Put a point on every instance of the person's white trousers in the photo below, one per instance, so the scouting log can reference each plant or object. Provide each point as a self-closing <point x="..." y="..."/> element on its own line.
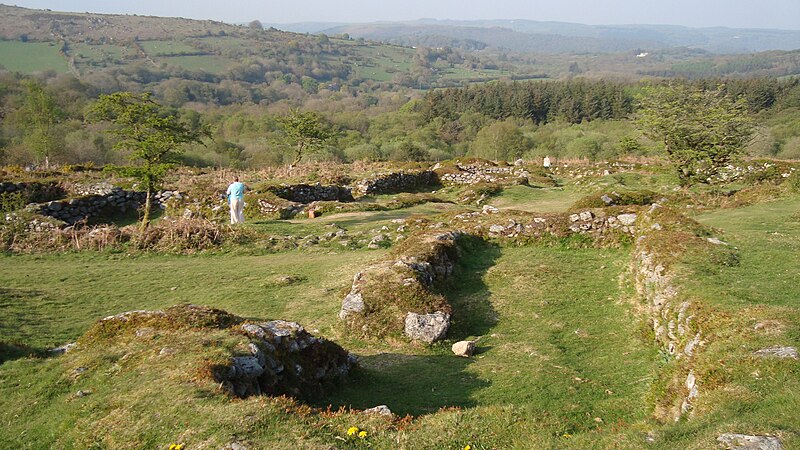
<point x="237" y="208"/>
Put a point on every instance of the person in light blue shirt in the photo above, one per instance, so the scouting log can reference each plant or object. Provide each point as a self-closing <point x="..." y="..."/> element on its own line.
<point x="236" y="200"/>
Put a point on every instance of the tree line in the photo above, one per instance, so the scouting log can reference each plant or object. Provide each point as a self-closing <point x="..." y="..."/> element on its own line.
<point x="44" y="119"/>
<point x="577" y="100"/>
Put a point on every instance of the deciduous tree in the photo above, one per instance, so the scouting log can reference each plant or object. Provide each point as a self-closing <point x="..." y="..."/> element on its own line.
<point x="41" y="118"/>
<point x="500" y="141"/>
<point x="153" y="138"/>
<point x="305" y="132"/>
<point x="702" y="129"/>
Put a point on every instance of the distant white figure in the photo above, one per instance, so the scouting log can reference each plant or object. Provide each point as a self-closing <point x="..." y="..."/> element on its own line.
<point x="236" y="200"/>
<point x="546" y="162"/>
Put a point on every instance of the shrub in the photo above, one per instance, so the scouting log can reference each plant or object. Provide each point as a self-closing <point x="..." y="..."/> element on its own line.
<point x="184" y="236"/>
<point x="771" y="174"/>
<point x="794" y="182"/>
<point x="11" y="201"/>
<point x="616" y="198"/>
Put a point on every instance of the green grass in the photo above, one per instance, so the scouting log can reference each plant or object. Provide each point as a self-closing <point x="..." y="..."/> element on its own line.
<point x="562" y="361"/>
<point x="381" y="63"/>
<point x="166" y="48"/>
<point x="368" y="220"/>
<point x="555" y="350"/>
<point x="554" y="337"/>
<point x="767" y="236"/>
<point x="50" y="300"/>
<point x="29" y="57"/>
<point x="746" y="306"/>
<point x="207" y="63"/>
<point x="525" y="198"/>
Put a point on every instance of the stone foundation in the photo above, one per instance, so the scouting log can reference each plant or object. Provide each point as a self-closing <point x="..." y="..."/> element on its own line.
<point x="393" y="183"/>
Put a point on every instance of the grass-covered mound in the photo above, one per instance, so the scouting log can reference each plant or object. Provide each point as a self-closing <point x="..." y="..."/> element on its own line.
<point x="146" y="379"/>
<point x="719" y="369"/>
<point x="384" y="294"/>
<point x="274" y="358"/>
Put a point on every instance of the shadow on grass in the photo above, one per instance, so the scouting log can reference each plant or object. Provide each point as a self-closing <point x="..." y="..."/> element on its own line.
<point x="408" y="384"/>
<point x="11" y="308"/>
<point x="473" y="313"/>
<point x="123" y="218"/>
<point x="11" y="351"/>
<point x="423" y="384"/>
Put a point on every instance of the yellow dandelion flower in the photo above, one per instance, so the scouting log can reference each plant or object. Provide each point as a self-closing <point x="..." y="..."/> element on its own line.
<point x="352" y="430"/>
<point x="362" y="434"/>
<point x="467" y="447"/>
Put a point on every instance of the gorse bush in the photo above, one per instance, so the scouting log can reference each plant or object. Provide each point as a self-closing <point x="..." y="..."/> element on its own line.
<point x="11" y="201"/>
<point x="794" y="182"/>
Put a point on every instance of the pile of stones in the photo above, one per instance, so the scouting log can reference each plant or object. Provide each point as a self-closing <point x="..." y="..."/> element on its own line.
<point x="285" y="360"/>
<point x="599" y="223"/>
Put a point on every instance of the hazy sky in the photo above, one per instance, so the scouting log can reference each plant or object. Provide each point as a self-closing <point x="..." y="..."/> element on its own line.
<point x="784" y="14"/>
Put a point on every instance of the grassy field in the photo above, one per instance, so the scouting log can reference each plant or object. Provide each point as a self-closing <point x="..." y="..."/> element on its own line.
<point x="525" y="198"/>
<point x="98" y="55"/>
<point x="553" y="326"/>
<point x="29" y="57"/>
<point x="748" y="304"/>
<point x="166" y="48"/>
<point x="38" y="291"/>
<point x="768" y="238"/>
<point x="207" y="63"/>
<point x="381" y="63"/>
<point x="564" y="359"/>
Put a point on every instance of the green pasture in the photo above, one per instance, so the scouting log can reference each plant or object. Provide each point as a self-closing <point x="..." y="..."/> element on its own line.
<point x="29" y="57"/>
<point x="564" y="357"/>
<point x="381" y="63"/>
<point x="553" y="325"/>
<point x="207" y="63"/>
<point x="532" y="199"/>
<point x="95" y="55"/>
<point x="767" y="236"/>
<point x="166" y="48"/>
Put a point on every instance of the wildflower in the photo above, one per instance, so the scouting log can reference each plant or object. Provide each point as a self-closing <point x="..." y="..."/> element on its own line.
<point x="362" y="434"/>
<point x="352" y="430"/>
<point x="467" y="447"/>
<point x="177" y="446"/>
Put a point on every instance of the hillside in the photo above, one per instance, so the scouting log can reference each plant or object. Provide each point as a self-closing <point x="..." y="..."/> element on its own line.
<point x="208" y="62"/>
<point x="559" y="37"/>
<point x="146" y="50"/>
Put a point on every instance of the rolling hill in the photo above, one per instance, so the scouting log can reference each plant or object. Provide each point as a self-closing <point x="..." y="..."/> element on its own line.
<point x="560" y="37"/>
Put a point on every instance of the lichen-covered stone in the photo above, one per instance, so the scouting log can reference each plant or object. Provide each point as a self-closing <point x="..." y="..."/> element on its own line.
<point x="733" y="441"/>
<point x="427" y="328"/>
